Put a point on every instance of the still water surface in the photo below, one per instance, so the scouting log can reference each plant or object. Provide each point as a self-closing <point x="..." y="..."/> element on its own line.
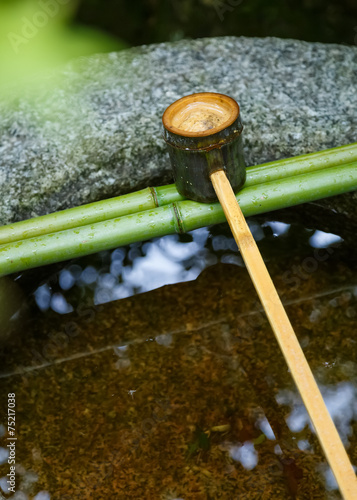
<point x="127" y="388"/>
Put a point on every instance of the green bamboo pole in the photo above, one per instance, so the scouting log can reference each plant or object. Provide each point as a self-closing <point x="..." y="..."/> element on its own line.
<point x="297" y="165"/>
<point x="177" y="217"/>
<point x="87" y="214"/>
<point x="155" y="197"/>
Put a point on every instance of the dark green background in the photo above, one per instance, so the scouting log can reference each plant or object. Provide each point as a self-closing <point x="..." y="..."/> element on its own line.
<point x="140" y="22"/>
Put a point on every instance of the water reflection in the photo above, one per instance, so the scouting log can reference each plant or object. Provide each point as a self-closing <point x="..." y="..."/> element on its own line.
<point x="42" y="495"/>
<point x="323" y="240"/>
<point x="279" y="228"/>
<point x="142" y="267"/>
<point x="265" y="427"/>
<point x="181" y="392"/>
<point x="246" y="454"/>
<point x="4" y="455"/>
<point x="43" y="297"/>
<point x="341" y="402"/>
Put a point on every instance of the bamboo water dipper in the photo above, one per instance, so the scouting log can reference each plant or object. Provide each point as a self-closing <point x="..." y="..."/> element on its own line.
<point x="203" y="133"/>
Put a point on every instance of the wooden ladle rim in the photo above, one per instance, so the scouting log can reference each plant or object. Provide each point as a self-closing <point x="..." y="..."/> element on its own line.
<point x="210" y="97"/>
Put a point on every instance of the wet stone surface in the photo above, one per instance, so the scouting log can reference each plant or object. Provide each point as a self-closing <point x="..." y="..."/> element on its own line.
<point x="94" y="130"/>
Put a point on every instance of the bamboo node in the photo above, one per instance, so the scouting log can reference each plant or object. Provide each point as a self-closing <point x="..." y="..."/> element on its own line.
<point x="178" y="220"/>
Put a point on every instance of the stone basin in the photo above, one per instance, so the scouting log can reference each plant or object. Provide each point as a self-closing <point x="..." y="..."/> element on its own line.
<point x="93" y="130"/>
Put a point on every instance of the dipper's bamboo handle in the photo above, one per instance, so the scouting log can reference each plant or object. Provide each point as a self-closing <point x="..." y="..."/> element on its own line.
<point x="285" y="335"/>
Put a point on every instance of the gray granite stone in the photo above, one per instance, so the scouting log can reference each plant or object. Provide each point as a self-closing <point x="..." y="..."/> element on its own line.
<point x="94" y="130"/>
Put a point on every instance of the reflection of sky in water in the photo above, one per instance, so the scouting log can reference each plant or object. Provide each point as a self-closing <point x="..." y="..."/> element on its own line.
<point x="246" y="454"/>
<point x="136" y="269"/>
<point x="278" y="228"/>
<point x="4" y="485"/>
<point x="20" y="495"/>
<point x="265" y="427"/>
<point x="42" y="495"/>
<point x="323" y="240"/>
<point x="341" y="402"/>
<point x="28" y="477"/>
<point x="4" y="455"/>
<point x="142" y="267"/>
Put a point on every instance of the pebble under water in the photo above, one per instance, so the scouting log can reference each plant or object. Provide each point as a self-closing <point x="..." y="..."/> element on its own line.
<point x="151" y="372"/>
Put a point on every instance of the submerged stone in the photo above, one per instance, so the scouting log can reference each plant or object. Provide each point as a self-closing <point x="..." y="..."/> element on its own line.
<point x="94" y="129"/>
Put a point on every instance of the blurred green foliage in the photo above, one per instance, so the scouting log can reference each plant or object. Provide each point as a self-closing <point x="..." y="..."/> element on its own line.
<point x="149" y="21"/>
<point x="39" y="35"/>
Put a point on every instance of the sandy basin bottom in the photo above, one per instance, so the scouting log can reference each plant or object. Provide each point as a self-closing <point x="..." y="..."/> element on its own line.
<point x="182" y="393"/>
